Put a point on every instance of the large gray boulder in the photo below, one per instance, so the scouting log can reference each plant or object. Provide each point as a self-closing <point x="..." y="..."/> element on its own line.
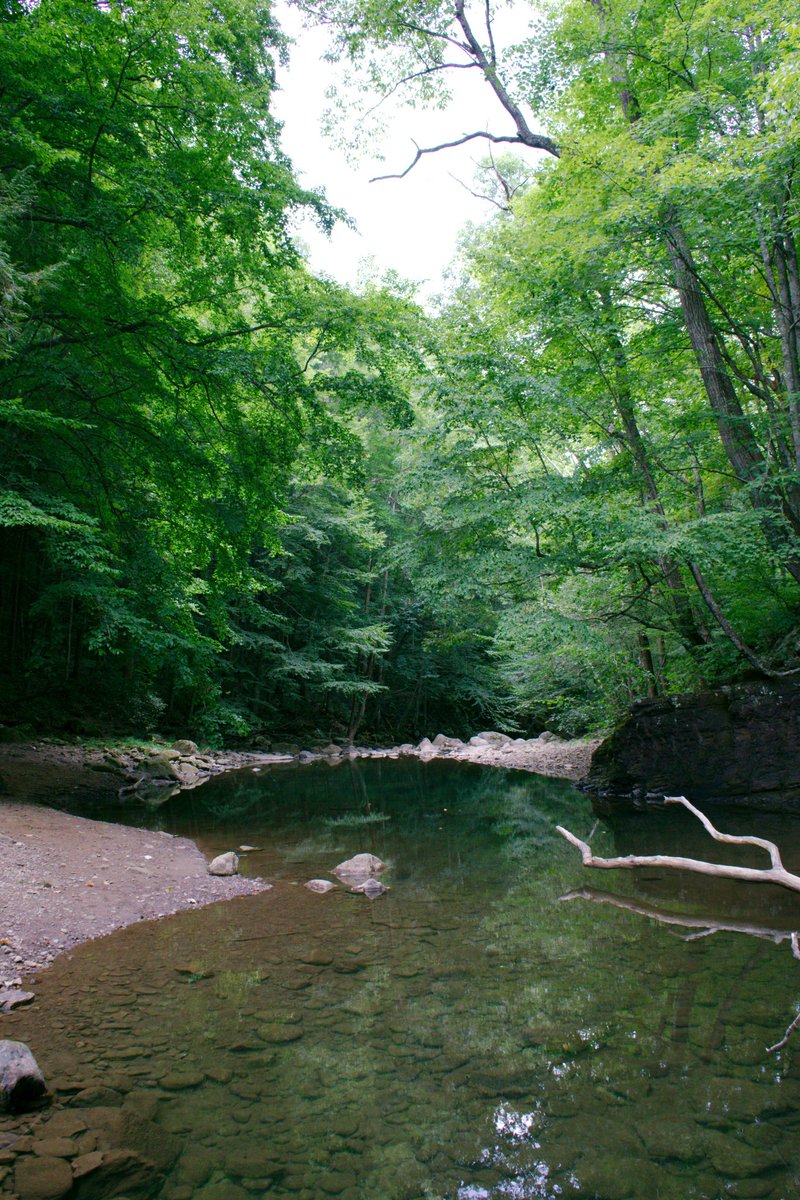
<point x="22" y="1083"/>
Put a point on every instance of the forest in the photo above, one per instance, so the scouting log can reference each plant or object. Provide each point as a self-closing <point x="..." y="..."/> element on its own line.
<point x="239" y="500"/>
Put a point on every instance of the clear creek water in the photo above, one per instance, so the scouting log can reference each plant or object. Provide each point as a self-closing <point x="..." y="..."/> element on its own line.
<point x="469" y="1035"/>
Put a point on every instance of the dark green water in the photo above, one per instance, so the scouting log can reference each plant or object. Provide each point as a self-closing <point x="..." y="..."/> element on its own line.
<point x="469" y="1035"/>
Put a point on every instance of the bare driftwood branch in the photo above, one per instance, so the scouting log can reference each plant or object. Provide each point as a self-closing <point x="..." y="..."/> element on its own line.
<point x="775" y="873"/>
<point x="704" y="925"/>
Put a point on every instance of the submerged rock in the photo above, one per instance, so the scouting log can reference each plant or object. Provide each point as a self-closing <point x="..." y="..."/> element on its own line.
<point x="42" y="1178"/>
<point x="224" y="864"/>
<point x="22" y="1083"/>
<point x="370" y="888"/>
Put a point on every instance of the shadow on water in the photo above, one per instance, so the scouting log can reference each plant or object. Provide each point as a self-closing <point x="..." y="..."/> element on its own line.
<point x="469" y="1035"/>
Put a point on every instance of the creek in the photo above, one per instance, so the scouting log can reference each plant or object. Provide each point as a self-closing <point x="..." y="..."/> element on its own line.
<point x="468" y="1035"/>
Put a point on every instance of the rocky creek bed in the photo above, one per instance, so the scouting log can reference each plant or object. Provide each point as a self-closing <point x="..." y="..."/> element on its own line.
<point x="466" y="1036"/>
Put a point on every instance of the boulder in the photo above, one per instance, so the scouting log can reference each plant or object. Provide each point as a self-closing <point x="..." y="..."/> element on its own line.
<point x="735" y="745"/>
<point x="159" y="766"/>
<point x="224" y="864"/>
<point x="443" y="742"/>
<point x="22" y="1083"/>
<point x="320" y="886"/>
<point x="493" y="738"/>
<point x="184" y="746"/>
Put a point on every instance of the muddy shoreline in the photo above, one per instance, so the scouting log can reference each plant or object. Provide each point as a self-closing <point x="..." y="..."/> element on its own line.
<point x="66" y="879"/>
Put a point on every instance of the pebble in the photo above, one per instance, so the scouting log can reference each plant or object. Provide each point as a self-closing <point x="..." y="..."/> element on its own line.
<point x="42" y="1178"/>
<point x="55" y="1147"/>
<point x="279" y="1034"/>
<point x="180" y="1081"/>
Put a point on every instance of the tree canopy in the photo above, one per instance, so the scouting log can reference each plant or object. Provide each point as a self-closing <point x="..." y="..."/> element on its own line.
<point x="237" y="498"/>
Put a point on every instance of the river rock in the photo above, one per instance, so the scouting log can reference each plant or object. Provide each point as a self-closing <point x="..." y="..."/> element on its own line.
<point x="371" y="888"/>
<point x="443" y="742"/>
<point x="22" y="1083"/>
<point x="119" y="1172"/>
<point x="184" y="746"/>
<point x="320" y="886"/>
<point x="13" y="998"/>
<point x="224" y="864"/>
<point x="42" y="1178"/>
<point x="492" y="738"/>
<point x="357" y="870"/>
<point x="160" y="767"/>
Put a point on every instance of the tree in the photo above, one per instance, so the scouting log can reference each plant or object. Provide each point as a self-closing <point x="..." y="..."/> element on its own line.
<point x="671" y="216"/>
<point x="164" y="354"/>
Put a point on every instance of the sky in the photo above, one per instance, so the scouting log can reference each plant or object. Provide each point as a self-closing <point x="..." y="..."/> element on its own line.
<point x="409" y="225"/>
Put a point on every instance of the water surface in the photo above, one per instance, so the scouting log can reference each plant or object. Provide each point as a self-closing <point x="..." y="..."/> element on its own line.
<point x="471" y="1034"/>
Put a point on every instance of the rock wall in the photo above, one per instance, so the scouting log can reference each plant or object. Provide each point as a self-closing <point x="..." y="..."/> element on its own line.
<point x="739" y="745"/>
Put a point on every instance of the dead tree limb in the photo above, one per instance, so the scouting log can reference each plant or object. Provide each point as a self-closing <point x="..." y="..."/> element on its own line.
<point x="774" y="873"/>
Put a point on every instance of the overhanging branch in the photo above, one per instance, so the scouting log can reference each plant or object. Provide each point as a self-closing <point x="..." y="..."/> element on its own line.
<point x="543" y="144"/>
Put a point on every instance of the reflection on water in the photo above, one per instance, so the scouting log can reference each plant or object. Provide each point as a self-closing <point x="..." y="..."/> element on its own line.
<point x="467" y="1036"/>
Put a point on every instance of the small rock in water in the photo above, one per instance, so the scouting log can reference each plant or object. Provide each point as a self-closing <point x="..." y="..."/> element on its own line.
<point x="360" y="864"/>
<point x="321" y="886"/>
<point x="370" y="888"/>
<point x="22" y="1083"/>
<point x="248" y="849"/>
<point x="224" y="864"/>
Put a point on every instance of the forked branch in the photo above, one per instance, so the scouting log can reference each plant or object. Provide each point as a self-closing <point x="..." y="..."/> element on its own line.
<point x="774" y="873"/>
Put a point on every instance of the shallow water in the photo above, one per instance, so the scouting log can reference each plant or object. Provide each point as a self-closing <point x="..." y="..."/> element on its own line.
<point x="470" y="1034"/>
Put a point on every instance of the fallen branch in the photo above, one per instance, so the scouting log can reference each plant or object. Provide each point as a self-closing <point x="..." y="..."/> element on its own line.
<point x="704" y="926"/>
<point x="774" y="873"/>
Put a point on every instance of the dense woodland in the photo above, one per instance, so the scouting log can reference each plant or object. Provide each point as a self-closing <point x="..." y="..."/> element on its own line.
<point x="238" y="500"/>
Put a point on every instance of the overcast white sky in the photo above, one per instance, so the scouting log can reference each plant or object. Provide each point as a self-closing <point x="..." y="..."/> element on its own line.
<point x="410" y="224"/>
